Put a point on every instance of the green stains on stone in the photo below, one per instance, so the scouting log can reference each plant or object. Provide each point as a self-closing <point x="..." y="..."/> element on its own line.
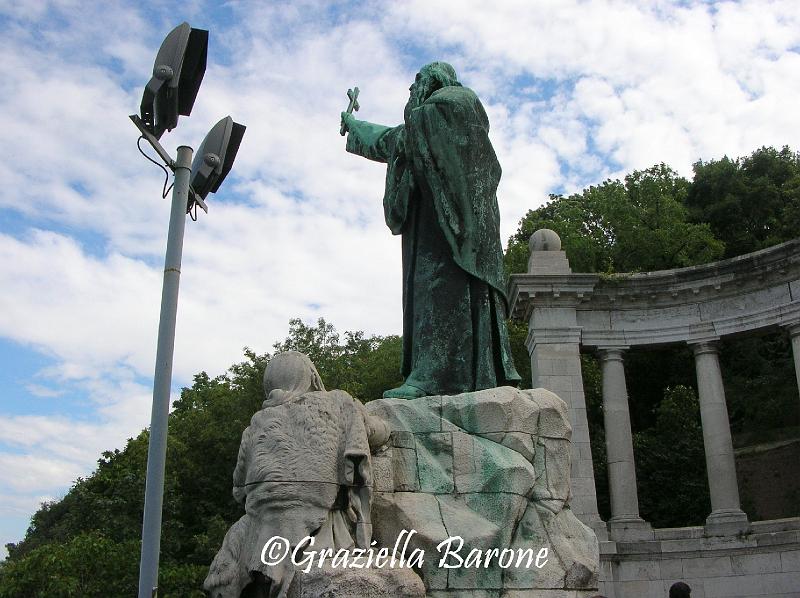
<point x="491" y="466"/>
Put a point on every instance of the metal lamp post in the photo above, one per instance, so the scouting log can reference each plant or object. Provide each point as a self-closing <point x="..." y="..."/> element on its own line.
<point x="162" y="381"/>
<point x="177" y="74"/>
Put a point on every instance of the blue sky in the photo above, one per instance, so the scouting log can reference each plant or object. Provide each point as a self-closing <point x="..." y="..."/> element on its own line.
<point x="576" y="92"/>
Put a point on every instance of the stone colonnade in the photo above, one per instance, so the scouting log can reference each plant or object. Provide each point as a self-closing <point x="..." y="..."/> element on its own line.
<point x="568" y="311"/>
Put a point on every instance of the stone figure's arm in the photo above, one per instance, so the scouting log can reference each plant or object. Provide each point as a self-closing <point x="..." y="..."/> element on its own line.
<point x="374" y="142"/>
<point x="240" y="471"/>
<point x="377" y="430"/>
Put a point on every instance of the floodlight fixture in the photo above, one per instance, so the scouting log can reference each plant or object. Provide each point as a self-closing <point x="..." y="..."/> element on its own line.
<point x="177" y="73"/>
<point x="214" y="158"/>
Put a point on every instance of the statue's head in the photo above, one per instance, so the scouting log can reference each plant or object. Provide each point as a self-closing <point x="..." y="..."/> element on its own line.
<point x="438" y="75"/>
<point x="290" y="375"/>
<point x="430" y="78"/>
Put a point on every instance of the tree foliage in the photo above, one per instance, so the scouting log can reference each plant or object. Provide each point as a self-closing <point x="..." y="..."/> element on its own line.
<point x="750" y="203"/>
<point x="670" y="463"/>
<point x="638" y="224"/>
<point x="363" y="366"/>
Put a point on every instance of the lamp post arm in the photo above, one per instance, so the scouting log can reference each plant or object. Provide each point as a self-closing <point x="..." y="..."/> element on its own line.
<point x="151" y="139"/>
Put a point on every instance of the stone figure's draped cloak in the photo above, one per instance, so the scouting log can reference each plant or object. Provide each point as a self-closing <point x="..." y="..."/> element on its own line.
<point x="303" y="465"/>
<point x="441" y="185"/>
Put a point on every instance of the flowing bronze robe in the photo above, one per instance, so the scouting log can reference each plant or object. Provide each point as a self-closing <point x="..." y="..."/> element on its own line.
<point x="441" y="185"/>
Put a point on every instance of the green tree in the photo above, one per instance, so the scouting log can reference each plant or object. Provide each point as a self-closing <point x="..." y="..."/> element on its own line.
<point x="87" y="565"/>
<point x="670" y="463"/>
<point x="750" y="203"/>
<point x="640" y="224"/>
<point x="363" y="366"/>
<point x="760" y="385"/>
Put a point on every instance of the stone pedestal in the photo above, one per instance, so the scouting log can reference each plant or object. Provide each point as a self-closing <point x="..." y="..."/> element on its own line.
<point x="332" y="582"/>
<point x="492" y="468"/>
<point x="727" y="517"/>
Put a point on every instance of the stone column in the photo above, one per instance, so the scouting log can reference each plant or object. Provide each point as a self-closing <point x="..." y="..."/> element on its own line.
<point x="625" y="522"/>
<point x="553" y="342"/>
<point x="556" y="366"/>
<point x="794" y="335"/>
<point x="727" y="517"/>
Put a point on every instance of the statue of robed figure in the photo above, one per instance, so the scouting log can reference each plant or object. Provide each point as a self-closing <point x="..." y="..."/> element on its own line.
<point x="441" y="185"/>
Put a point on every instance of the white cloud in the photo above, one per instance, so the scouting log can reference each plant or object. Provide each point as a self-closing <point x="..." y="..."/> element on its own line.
<point x="39" y="390"/>
<point x="28" y="473"/>
<point x="676" y="83"/>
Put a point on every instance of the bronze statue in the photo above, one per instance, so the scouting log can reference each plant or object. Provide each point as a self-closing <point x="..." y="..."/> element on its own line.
<point x="441" y="185"/>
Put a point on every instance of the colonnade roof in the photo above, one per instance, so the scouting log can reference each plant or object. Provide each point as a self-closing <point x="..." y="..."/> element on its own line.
<point x="737" y="295"/>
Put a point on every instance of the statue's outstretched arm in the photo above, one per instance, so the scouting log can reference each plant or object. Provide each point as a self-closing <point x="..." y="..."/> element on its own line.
<point x="374" y="142"/>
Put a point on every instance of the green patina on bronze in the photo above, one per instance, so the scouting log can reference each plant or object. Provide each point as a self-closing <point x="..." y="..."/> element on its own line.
<point x="441" y="185"/>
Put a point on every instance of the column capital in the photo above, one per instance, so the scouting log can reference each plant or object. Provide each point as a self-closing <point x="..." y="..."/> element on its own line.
<point x="612" y="353"/>
<point x="705" y="347"/>
<point x="793" y="328"/>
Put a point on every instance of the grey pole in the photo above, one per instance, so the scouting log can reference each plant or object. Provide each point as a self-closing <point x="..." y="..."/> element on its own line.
<point x="157" y="449"/>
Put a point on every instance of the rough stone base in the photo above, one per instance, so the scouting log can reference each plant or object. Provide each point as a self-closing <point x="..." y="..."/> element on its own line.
<point x="489" y="470"/>
<point x="511" y="594"/>
<point x="727" y="522"/>
<point x="357" y="583"/>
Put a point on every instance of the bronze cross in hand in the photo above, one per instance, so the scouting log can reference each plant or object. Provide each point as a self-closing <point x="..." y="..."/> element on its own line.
<point x="353" y="105"/>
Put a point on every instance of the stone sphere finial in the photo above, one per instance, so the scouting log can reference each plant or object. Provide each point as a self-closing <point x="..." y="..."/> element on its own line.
<point x="545" y="239"/>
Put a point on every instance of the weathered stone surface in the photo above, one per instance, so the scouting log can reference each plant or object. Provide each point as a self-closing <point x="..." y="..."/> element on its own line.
<point x="386" y="582"/>
<point x="406" y="511"/>
<point x="304" y="469"/>
<point x="733" y="567"/>
<point x="491" y="467"/>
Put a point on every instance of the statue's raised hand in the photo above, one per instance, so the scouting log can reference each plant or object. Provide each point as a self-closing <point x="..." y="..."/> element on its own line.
<point x="347" y="120"/>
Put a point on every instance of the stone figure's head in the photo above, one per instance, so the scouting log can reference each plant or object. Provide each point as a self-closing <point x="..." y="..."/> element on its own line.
<point x="430" y="78"/>
<point x="289" y="375"/>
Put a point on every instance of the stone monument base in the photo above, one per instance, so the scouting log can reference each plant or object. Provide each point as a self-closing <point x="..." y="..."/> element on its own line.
<point x="511" y="594"/>
<point x="489" y="472"/>
<point x="327" y="582"/>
